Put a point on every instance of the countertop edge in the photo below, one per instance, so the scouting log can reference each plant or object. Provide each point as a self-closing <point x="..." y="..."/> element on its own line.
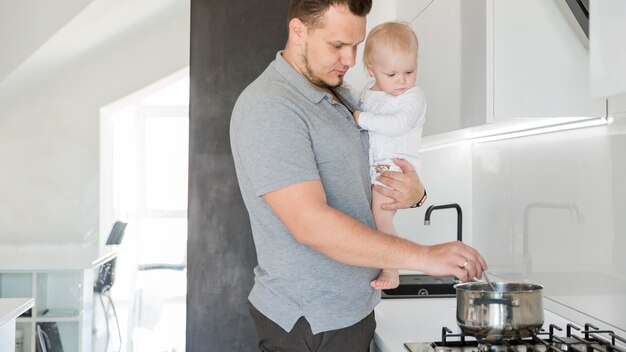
<point x="11" y="308"/>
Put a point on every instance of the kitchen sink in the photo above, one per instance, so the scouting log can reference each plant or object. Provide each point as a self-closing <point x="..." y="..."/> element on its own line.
<point x="423" y="286"/>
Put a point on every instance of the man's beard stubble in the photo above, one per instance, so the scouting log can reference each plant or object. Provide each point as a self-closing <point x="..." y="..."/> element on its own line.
<point x="314" y="78"/>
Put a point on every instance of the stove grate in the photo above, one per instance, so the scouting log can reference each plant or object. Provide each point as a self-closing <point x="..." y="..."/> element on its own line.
<point x="587" y="339"/>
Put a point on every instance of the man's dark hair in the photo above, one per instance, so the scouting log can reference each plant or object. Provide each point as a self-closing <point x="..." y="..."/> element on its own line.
<point x="310" y="12"/>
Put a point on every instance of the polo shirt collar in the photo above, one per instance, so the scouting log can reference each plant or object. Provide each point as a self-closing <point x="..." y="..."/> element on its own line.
<point x="301" y="83"/>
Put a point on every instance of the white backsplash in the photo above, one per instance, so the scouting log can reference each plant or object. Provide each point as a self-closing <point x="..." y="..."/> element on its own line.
<point x="448" y="179"/>
<point x="561" y="193"/>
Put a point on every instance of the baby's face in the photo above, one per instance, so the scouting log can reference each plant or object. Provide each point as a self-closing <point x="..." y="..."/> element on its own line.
<point x="394" y="71"/>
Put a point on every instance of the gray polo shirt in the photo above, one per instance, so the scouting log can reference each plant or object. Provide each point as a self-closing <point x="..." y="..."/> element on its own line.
<point x="284" y="131"/>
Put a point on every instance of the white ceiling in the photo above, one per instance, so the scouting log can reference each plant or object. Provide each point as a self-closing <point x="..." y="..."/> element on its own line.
<point x="38" y="37"/>
<point x="25" y="25"/>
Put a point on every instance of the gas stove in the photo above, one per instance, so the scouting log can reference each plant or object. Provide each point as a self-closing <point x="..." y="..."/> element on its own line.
<point x="571" y="339"/>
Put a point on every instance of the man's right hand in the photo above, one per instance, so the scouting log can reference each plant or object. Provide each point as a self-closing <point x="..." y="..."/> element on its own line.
<point x="453" y="258"/>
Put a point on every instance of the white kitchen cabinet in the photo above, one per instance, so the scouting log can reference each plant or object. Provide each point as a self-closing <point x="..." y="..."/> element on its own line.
<point x="58" y="301"/>
<point x="608" y="53"/>
<point x="10" y="309"/>
<point x="451" y="63"/>
<point x="608" y="48"/>
<point x="60" y="279"/>
<point x="540" y="63"/>
<point x="483" y="61"/>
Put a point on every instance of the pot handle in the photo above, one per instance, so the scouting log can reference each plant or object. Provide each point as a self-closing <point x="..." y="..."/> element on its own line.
<point x="485" y="301"/>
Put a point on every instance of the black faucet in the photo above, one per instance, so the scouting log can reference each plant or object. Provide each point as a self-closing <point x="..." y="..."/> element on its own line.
<point x="459" y="216"/>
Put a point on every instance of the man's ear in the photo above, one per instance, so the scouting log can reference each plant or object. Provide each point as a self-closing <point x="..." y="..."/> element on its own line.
<point x="297" y="31"/>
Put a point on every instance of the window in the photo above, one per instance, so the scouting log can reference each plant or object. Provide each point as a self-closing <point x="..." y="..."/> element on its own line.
<point x="144" y="182"/>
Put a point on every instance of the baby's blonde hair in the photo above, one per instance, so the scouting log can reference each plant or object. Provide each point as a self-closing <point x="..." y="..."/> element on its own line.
<point x="394" y="35"/>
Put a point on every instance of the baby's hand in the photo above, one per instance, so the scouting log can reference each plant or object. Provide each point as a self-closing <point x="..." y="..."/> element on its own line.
<point x="356" y="114"/>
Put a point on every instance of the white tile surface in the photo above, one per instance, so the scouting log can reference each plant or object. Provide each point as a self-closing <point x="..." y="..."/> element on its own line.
<point x="446" y="174"/>
<point x="617" y="105"/>
<point x="562" y="194"/>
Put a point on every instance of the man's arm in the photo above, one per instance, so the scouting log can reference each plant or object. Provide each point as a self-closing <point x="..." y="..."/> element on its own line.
<point x="303" y="209"/>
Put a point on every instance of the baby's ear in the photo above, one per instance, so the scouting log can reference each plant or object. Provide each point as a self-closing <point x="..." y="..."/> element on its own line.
<point x="370" y="70"/>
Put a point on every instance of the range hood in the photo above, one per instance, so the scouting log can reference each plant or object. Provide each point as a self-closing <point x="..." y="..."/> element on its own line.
<point x="580" y="10"/>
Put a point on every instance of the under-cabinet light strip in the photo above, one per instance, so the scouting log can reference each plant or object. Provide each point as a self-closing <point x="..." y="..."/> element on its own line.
<point x="539" y="130"/>
<point x="496" y="136"/>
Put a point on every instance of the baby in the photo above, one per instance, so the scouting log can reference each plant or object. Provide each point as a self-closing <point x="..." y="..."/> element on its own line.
<point x="393" y="110"/>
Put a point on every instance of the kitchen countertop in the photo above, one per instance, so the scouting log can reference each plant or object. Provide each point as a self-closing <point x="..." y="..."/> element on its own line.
<point x="54" y="257"/>
<point x="421" y="319"/>
<point x="11" y="308"/>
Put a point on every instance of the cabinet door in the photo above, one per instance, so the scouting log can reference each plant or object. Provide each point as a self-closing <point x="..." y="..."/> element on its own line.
<point x="608" y="53"/>
<point x="451" y="63"/>
<point x="485" y="60"/>
<point x="540" y="62"/>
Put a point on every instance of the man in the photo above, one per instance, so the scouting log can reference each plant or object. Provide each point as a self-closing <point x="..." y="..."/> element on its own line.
<point x="302" y="166"/>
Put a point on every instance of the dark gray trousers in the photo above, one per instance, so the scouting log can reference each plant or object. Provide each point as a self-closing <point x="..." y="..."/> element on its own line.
<point x="272" y="338"/>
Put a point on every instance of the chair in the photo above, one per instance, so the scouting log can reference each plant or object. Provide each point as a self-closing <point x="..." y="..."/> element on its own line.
<point x="106" y="277"/>
<point x="106" y="272"/>
<point x="48" y="338"/>
<point x="164" y="266"/>
<point x="117" y="233"/>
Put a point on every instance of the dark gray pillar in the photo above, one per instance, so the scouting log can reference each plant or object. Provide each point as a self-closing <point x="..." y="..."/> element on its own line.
<point x="231" y="43"/>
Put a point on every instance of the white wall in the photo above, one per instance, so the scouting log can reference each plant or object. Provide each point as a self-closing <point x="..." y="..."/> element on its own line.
<point x="49" y="136"/>
<point x="382" y="11"/>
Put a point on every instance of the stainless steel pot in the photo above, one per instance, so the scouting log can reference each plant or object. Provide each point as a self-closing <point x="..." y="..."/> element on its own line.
<point x="513" y="311"/>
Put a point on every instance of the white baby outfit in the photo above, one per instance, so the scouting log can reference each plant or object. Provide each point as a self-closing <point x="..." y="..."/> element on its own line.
<point x="395" y="126"/>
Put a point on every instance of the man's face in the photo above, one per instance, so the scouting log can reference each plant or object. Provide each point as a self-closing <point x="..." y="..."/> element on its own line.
<point x="329" y="50"/>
